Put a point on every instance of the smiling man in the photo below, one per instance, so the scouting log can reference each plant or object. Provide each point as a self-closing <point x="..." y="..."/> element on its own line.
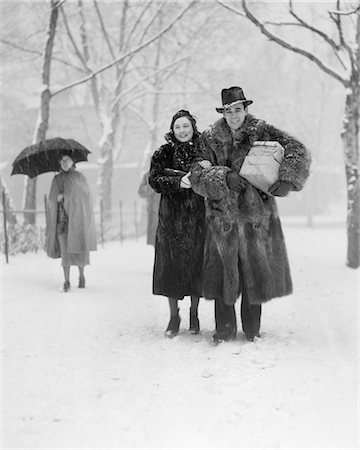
<point x="245" y="252"/>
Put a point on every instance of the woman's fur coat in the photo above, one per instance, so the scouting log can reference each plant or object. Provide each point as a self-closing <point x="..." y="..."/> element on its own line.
<point x="180" y="235"/>
<point x="81" y="235"/>
<point x="245" y="247"/>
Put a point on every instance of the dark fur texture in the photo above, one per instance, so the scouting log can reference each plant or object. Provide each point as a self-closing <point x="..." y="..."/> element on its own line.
<point x="180" y="236"/>
<point x="245" y="245"/>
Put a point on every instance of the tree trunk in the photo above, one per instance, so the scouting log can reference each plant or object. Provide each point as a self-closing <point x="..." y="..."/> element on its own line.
<point x="29" y="196"/>
<point x="106" y="173"/>
<point x="350" y="138"/>
<point x="110" y="134"/>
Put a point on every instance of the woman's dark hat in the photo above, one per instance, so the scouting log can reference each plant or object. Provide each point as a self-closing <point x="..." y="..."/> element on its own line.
<point x="233" y="95"/>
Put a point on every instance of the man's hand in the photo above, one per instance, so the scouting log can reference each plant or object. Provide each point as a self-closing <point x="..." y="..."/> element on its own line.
<point x="185" y="182"/>
<point x="234" y="181"/>
<point x="281" y="188"/>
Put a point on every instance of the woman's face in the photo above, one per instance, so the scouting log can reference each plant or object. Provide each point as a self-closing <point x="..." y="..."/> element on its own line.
<point x="183" y="129"/>
<point x="66" y="163"/>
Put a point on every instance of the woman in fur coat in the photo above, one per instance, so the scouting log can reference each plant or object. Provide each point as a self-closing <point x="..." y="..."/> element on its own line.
<point x="70" y="224"/>
<point x="245" y="251"/>
<point x="180" y="233"/>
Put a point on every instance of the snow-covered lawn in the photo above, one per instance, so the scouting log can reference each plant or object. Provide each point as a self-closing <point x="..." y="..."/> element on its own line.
<point x="92" y="368"/>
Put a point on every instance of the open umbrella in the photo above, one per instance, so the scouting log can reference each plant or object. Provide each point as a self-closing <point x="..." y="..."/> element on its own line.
<point x="45" y="155"/>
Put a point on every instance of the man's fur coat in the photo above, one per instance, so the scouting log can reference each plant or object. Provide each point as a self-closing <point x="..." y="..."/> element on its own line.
<point x="245" y="247"/>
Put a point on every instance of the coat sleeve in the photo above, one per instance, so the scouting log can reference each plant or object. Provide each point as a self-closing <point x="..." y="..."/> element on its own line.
<point x="211" y="182"/>
<point x="160" y="182"/>
<point x="295" y="167"/>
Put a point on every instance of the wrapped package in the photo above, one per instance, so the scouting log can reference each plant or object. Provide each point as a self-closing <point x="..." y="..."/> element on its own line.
<point x="262" y="163"/>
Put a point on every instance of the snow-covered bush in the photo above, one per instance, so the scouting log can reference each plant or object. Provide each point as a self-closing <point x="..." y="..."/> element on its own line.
<point x="22" y="238"/>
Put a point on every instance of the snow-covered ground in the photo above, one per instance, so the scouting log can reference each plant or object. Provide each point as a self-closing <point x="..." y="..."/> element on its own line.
<point x="92" y="369"/>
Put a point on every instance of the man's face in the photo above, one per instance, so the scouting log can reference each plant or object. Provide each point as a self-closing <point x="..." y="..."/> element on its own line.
<point x="235" y="115"/>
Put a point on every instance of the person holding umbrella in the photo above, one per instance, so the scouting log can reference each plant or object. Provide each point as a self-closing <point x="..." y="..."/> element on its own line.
<point x="70" y="224"/>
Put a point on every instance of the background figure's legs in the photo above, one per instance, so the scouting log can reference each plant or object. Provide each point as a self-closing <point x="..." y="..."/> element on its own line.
<point x="225" y="321"/>
<point x="174" y="324"/>
<point x="81" y="277"/>
<point x="194" y="324"/>
<point x="66" y="270"/>
<point x="250" y="317"/>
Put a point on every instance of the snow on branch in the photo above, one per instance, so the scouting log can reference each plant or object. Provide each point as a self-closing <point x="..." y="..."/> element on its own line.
<point x="346" y="13"/>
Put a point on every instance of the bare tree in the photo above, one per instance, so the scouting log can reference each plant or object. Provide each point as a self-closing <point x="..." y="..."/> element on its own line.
<point x="120" y="85"/>
<point x="342" y="63"/>
<point x="29" y="198"/>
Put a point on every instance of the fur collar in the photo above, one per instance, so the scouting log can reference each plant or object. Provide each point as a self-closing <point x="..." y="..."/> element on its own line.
<point x="221" y="132"/>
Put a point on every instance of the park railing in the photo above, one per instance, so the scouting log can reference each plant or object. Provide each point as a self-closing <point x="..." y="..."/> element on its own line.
<point x="127" y="221"/>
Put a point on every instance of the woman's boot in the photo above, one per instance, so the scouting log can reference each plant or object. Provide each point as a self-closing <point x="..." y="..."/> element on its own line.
<point x="173" y="326"/>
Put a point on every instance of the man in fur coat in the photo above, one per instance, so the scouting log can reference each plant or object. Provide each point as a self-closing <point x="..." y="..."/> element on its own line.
<point x="245" y="251"/>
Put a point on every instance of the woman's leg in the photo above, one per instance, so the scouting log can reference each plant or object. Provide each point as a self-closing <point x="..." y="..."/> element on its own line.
<point x="194" y="320"/>
<point x="66" y="270"/>
<point x="174" y="324"/>
<point x="81" y="277"/>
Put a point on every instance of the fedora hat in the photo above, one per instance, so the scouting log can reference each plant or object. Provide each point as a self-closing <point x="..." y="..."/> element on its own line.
<point x="233" y="95"/>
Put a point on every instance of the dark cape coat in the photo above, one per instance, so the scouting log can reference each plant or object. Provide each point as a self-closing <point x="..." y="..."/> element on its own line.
<point x="81" y="235"/>
<point x="245" y="247"/>
<point x="180" y="233"/>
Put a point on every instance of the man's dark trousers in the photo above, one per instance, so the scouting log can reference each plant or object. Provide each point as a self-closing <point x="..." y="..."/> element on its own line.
<point x="250" y="316"/>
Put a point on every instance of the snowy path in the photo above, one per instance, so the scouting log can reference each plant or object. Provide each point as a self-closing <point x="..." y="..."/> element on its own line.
<point x="91" y="368"/>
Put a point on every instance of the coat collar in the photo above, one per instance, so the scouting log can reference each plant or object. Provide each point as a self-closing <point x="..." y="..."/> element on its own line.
<point x="249" y="130"/>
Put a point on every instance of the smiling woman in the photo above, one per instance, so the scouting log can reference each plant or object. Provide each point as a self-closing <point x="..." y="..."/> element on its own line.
<point x="180" y="234"/>
<point x="183" y="129"/>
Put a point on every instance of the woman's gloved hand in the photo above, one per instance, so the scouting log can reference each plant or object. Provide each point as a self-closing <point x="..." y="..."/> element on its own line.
<point x="185" y="182"/>
<point x="60" y="197"/>
<point x="281" y="188"/>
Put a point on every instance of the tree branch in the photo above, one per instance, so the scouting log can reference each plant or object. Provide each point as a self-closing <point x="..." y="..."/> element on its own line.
<point x="146" y="77"/>
<point x="292" y="48"/>
<point x="39" y="53"/>
<point x="337" y="19"/>
<point x="72" y="40"/>
<point x="105" y="34"/>
<point x="323" y="35"/>
<point x="85" y="46"/>
<point x="138" y="20"/>
<point x="336" y="47"/>
<point x="129" y="53"/>
<point x="346" y="13"/>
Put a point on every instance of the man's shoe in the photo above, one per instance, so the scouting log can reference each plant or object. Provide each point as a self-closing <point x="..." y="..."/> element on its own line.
<point x="251" y="336"/>
<point x="228" y="333"/>
<point x="194" y="324"/>
<point x="173" y="326"/>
